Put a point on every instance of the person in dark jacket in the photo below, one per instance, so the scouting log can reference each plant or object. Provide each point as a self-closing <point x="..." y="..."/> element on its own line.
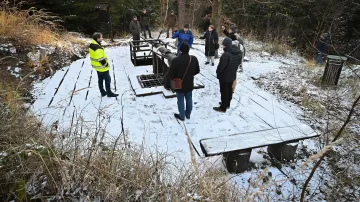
<point x="135" y="30"/>
<point x="184" y="35"/>
<point x="233" y="33"/>
<point x="171" y="22"/>
<point x="145" y="22"/>
<point x="211" y="44"/>
<point x="234" y="36"/>
<point x="178" y="70"/>
<point x="226" y="72"/>
<point x="321" y="46"/>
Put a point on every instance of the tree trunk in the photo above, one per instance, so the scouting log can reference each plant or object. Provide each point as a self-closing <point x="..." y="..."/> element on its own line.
<point x="166" y="12"/>
<point x="216" y="14"/>
<point x="193" y="13"/>
<point x="182" y="13"/>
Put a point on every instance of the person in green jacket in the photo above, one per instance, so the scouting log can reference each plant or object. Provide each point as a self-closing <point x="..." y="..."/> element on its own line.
<point x="100" y="63"/>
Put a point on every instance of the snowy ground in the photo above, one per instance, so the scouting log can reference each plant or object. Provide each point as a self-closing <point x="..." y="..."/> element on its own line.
<point x="149" y="120"/>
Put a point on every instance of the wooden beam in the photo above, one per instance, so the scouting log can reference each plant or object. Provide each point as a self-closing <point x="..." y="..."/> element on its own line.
<point x="256" y="139"/>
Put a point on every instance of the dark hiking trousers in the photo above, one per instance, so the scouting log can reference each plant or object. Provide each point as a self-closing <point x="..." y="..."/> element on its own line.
<point x="146" y="27"/>
<point x="136" y="37"/>
<point x="104" y="76"/>
<point x="226" y="94"/>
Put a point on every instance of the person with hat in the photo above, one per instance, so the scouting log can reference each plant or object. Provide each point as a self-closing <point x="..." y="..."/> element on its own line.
<point x="135" y="30"/>
<point x="226" y="73"/>
<point x="145" y="22"/>
<point x="185" y="67"/>
<point x="171" y="23"/>
<point x="184" y="35"/>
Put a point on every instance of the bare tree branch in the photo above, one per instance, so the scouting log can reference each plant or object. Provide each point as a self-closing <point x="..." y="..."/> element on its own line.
<point x="323" y="156"/>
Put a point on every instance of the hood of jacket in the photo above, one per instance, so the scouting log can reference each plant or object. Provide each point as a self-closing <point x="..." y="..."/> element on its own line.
<point x="235" y="50"/>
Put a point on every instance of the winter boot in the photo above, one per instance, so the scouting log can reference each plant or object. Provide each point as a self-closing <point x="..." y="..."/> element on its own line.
<point x="104" y="93"/>
<point x="112" y="94"/>
<point x="218" y="109"/>
<point x="226" y="107"/>
<point x="178" y="117"/>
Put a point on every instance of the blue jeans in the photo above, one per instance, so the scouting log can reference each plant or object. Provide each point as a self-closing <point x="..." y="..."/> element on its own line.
<point x="181" y="105"/>
<point x="318" y="58"/>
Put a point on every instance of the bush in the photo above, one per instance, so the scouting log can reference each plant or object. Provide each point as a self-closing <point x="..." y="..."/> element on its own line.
<point x="32" y="27"/>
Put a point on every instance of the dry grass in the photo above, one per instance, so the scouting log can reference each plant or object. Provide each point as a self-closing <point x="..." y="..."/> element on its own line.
<point x="44" y="162"/>
<point x="276" y="48"/>
<point x="38" y="28"/>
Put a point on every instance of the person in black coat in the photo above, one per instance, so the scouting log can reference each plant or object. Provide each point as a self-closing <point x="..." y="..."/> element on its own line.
<point x="145" y="22"/>
<point x="211" y="44"/>
<point x="179" y="69"/>
<point x="226" y="72"/>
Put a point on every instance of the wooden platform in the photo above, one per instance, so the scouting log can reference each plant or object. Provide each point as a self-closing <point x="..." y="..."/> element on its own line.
<point x="251" y="140"/>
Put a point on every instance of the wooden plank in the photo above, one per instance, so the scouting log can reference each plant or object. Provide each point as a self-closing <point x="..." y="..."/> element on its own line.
<point x="251" y="140"/>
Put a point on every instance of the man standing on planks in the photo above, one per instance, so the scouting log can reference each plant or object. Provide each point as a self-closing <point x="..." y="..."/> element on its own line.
<point x="100" y="63"/>
<point x="226" y="73"/>
<point x="186" y="67"/>
<point x="135" y="30"/>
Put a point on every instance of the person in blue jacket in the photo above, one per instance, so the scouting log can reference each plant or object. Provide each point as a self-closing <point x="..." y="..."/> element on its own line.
<point x="183" y="35"/>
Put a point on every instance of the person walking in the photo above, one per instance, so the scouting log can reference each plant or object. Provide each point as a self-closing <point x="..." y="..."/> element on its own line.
<point x="100" y="63"/>
<point x="171" y="22"/>
<point x="135" y="30"/>
<point x="183" y="35"/>
<point x="185" y="67"/>
<point x="226" y="72"/>
<point x="145" y="22"/>
<point x="211" y="44"/>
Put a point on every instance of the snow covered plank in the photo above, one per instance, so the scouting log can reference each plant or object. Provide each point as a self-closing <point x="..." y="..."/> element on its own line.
<point x="251" y="140"/>
<point x="65" y="91"/>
